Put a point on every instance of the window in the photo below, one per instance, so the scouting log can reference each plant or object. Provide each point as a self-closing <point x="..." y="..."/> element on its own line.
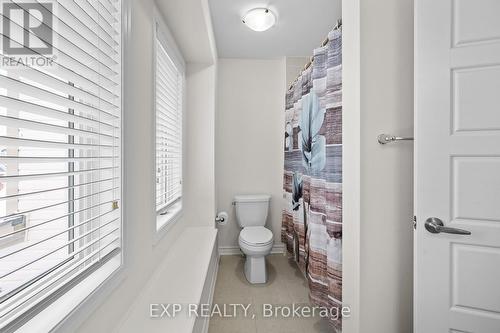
<point x="60" y="153"/>
<point x="168" y="105"/>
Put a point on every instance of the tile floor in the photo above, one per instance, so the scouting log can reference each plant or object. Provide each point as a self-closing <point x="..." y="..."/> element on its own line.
<point x="286" y="285"/>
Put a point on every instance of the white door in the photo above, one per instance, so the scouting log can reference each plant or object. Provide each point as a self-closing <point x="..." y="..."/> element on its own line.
<point x="457" y="156"/>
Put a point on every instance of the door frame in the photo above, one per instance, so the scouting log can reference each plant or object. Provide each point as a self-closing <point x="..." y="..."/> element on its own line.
<point x="351" y="159"/>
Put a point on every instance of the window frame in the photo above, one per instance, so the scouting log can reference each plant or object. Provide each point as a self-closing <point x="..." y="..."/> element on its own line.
<point x="163" y="222"/>
<point x="69" y="310"/>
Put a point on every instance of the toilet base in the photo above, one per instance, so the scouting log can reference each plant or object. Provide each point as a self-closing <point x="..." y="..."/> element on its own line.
<point x="255" y="269"/>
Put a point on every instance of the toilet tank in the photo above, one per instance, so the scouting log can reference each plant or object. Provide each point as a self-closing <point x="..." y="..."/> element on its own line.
<point x="251" y="210"/>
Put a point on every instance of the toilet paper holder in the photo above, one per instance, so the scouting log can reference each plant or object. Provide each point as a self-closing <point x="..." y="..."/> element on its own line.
<point x="221" y="218"/>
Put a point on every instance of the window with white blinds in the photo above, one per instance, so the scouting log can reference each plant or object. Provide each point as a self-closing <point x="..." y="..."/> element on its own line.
<point x="169" y="96"/>
<point x="60" y="156"/>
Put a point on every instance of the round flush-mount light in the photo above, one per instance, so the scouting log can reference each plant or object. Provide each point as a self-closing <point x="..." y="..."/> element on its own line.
<point x="259" y="19"/>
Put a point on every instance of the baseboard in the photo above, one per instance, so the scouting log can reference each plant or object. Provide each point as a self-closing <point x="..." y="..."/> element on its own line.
<point x="235" y="250"/>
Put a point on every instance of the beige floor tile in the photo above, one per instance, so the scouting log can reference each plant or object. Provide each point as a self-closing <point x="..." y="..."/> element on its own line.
<point x="274" y="294"/>
<point x="223" y="325"/>
<point x="231" y="269"/>
<point x="316" y="325"/>
<point x="278" y="270"/>
<point x="277" y="325"/>
<point x="233" y="293"/>
<point x="287" y="268"/>
<point x="286" y="285"/>
<point x="231" y="285"/>
<point x="298" y="290"/>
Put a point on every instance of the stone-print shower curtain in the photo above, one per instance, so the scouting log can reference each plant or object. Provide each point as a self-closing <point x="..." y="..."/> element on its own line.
<point x="312" y="219"/>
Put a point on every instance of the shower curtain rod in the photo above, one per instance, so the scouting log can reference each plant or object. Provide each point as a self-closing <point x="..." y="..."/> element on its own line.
<point x="311" y="59"/>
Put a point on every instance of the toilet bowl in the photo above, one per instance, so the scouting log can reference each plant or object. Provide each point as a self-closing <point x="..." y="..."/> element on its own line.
<point x="256" y="243"/>
<point x="255" y="240"/>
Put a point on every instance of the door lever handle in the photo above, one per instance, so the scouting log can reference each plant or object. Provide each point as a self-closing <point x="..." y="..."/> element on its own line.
<point x="436" y="226"/>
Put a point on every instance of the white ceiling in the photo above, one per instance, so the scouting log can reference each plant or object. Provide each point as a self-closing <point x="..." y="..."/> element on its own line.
<point x="302" y="26"/>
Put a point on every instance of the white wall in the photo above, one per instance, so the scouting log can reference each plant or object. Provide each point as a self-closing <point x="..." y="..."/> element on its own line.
<point x="294" y="66"/>
<point x="386" y="171"/>
<point x="105" y="310"/>
<point x="199" y="168"/>
<point x="249" y="138"/>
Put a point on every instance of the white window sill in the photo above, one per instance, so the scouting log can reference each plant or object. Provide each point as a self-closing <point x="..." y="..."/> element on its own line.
<point x="194" y="267"/>
<point x="165" y="222"/>
<point x="54" y="314"/>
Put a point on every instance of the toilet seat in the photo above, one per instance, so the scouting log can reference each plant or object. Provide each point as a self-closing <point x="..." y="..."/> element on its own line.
<point x="256" y="236"/>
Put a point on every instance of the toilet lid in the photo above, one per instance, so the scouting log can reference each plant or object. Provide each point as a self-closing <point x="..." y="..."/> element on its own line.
<point x="256" y="235"/>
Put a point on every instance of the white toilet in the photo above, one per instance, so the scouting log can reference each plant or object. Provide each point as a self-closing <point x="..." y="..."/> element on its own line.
<point x="255" y="239"/>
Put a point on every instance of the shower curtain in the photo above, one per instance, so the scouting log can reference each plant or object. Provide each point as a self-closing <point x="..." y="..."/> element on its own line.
<point x="312" y="218"/>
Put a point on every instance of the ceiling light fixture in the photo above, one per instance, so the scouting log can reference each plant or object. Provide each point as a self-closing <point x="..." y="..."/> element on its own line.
<point x="259" y="19"/>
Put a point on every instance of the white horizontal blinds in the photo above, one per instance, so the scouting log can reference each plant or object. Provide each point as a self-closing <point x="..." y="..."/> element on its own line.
<point x="86" y="52"/>
<point x="60" y="156"/>
<point x="169" y="85"/>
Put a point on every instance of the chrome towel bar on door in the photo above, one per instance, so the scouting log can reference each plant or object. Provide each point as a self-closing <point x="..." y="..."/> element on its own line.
<point x="387" y="138"/>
